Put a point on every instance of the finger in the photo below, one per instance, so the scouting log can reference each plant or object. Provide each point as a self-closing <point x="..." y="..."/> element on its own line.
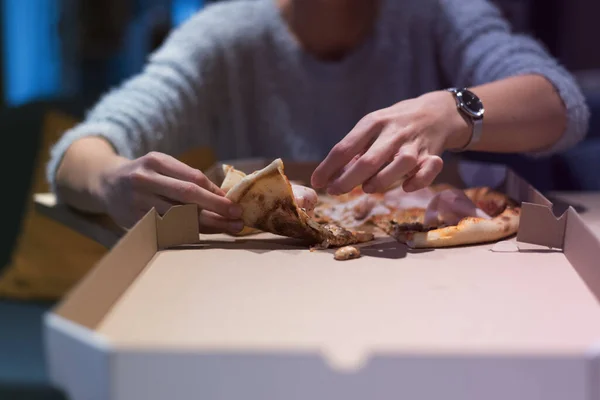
<point x="343" y="152"/>
<point x="403" y="165"/>
<point x="345" y="168"/>
<point x="428" y="171"/>
<point x="366" y="166"/>
<point x="213" y="223"/>
<point x="190" y="193"/>
<point x="169" y="166"/>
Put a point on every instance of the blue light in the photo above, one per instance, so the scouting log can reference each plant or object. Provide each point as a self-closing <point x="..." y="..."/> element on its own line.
<point x="32" y="62"/>
<point x="183" y="9"/>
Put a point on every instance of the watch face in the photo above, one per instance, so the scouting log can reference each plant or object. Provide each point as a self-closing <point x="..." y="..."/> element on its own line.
<point x="471" y="103"/>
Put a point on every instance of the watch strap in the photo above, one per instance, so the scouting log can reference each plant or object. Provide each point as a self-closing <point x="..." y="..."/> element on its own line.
<point x="476" y="123"/>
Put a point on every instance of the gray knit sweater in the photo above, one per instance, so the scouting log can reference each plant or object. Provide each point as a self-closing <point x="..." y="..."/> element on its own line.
<point x="232" y="77"/>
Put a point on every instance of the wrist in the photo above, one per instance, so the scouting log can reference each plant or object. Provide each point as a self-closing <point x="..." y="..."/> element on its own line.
<point x="453" y="127"/>
<point x="100" y="184"/>
<point x="459" y="127"/>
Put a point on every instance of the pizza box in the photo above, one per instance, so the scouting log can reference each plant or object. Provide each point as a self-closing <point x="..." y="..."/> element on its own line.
<point x="169" y="313"/>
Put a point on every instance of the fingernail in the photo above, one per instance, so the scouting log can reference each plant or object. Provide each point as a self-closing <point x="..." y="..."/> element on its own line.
<point x="235" y="211"/>
<point x="236" y="226"/>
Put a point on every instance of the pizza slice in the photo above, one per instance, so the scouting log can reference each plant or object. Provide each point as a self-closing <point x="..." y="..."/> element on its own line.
<point x="454" y="218"/>
<point x="269" y="204"/>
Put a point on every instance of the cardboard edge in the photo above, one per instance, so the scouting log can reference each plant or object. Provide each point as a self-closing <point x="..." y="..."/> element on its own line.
<point x="538" y="225"/>
<point x="64" y="325"/>
<point x="94" y="295"/>
<point x="593" y="357"/>
<point x="68" y="346"/>
<point x="581" y="248"/>
<point x="178" y="226"/>
<point x="404" y="374"/>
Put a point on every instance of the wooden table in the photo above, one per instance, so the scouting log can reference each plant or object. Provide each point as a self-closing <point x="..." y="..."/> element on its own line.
<point x="107" y="233"/>
<point x="98" y="228"/>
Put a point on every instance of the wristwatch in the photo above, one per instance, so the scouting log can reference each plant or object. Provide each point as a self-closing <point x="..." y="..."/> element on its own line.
<point x="471" y="107"/>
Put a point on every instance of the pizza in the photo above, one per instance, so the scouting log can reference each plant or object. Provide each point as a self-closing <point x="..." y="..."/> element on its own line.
<point x="270" y="204"/>
<point x="454" y="217"/>
<point x="433" y="217"/>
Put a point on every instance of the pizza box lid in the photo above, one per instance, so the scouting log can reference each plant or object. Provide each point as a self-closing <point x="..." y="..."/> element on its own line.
<point x="168" y="311"/>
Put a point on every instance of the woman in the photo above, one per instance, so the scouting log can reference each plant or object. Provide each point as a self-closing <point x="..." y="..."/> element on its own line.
<point x="357" y="84"/>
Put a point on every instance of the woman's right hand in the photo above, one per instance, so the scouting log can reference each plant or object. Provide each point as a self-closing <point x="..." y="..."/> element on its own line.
<point x="130" y="188"/>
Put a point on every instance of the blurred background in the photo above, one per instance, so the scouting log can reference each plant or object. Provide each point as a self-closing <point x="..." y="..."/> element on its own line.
<point x="78" y="48"/>
<point x="58" y="56"/>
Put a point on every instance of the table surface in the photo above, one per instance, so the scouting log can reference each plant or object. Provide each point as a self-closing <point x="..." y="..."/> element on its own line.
<point x="105" y="232"/>
<point x="99" y="228"/>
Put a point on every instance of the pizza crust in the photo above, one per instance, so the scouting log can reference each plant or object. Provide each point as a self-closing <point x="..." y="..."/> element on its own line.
<point x="468" y="231"/>
<point x="234" y="176"/>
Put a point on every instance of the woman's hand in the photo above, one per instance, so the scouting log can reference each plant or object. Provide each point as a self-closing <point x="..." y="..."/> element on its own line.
<point x="403" y="141"/>
<point x="130" y="188"/>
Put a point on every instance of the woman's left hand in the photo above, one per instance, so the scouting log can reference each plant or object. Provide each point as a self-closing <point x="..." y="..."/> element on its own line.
<point x="404" y="141"/>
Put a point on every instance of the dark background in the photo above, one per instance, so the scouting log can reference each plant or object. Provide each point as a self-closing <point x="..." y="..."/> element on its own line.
<point x="79" y="48"/>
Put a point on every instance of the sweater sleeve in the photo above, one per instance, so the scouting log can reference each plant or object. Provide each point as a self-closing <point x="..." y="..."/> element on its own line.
<point x="169" y="106"/>
<point x="477" y="46"/>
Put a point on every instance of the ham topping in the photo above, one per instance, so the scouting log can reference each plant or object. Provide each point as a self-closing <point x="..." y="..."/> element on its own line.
<point x="449" y="206"/>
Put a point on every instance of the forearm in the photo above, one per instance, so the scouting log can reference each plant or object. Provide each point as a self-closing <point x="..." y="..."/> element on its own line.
<point x="79" y="175"/>
<point x="522" y="114"/>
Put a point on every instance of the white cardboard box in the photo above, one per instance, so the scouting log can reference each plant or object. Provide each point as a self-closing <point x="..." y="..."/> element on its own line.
<point x="169" y="314"/>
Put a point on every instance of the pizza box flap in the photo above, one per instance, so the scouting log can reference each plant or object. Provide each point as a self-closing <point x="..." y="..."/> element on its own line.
<point x="95" y="294"/>
<point x="582" y="248"/>
<point x="538" y="225"/>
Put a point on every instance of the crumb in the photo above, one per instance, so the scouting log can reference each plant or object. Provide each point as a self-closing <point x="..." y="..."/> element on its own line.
<point x="346" y="253"/>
